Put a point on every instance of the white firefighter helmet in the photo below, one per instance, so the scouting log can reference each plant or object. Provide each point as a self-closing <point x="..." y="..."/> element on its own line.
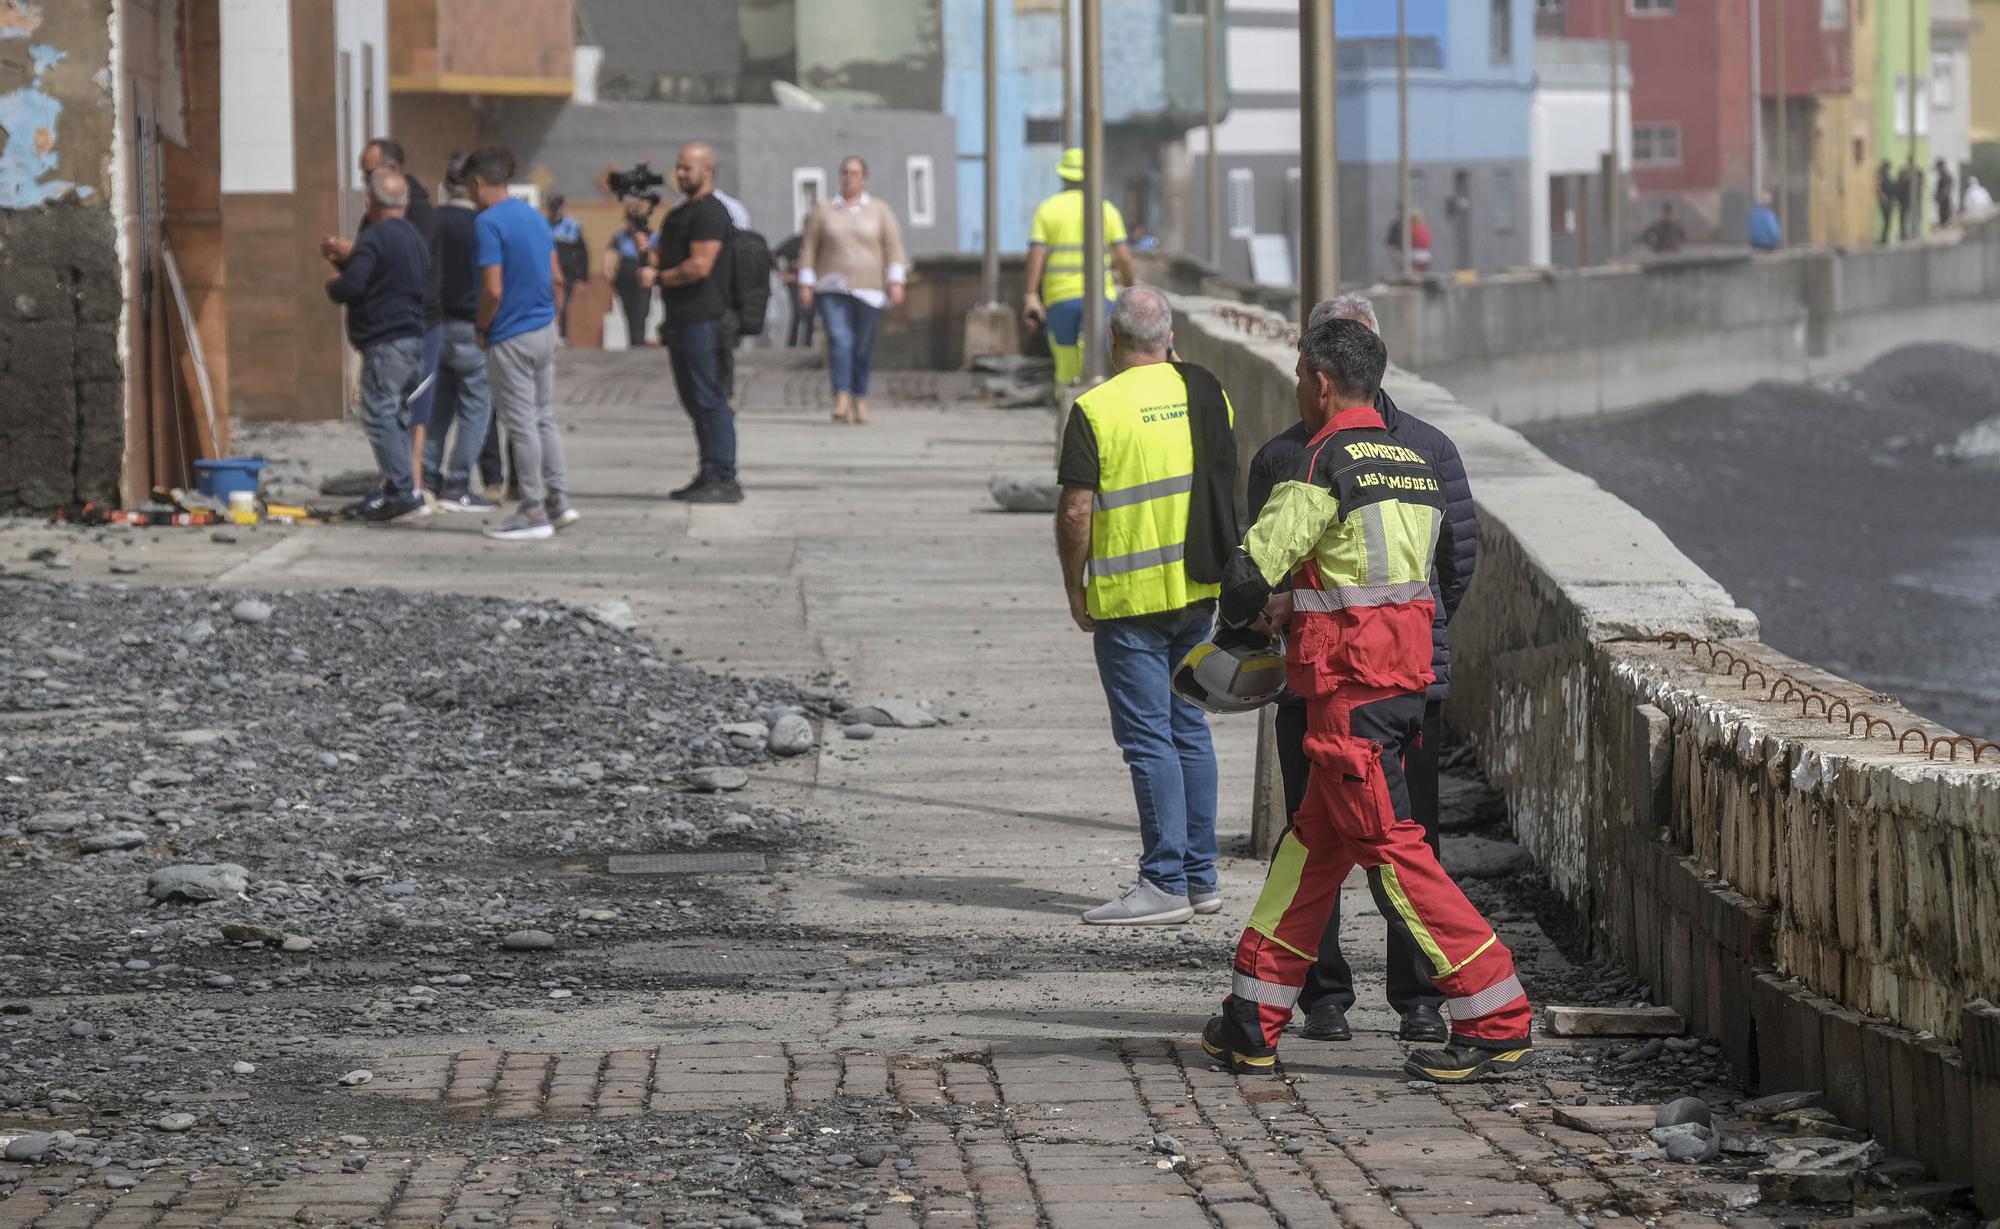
<point x="1231" y="672"/>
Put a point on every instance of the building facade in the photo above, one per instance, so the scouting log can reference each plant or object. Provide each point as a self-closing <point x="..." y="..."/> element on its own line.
<point x="1575" y="105"/>
<point x="1700" y="116"/>
<point x="1471" y="76"/>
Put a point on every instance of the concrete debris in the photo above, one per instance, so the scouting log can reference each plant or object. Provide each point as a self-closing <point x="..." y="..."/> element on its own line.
<point x="1809" y="1185"/>
<point x="1684" y="1110"/>
<point x="791" y="734"/>
<point x="612" y="613"/>
<point x="1024" y="490"/>
<point x="1778" y="1103"/>
<point x="901" y="714"/>
<point x="1605" y="1119"/>
<point x="356" y="1078"/>
<point x="1614" y="1021"/>
<point x="718" y="778"/>
<point x="222" y="881"/>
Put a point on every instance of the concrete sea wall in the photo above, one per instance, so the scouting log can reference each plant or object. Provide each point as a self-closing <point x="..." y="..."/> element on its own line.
<point x="1825" y="906"/>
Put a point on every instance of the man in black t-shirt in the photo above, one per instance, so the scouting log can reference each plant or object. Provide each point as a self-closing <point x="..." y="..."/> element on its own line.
<point x="690" y="268"/>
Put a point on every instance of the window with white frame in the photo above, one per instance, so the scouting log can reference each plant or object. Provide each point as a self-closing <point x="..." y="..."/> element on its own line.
<point x="1901" y="101"/>
<point x="1648" y="7"/>
<point x="808" y="189"/>
<point x="923" y="195"/>
<point x="1833" y="14"/>
<point x="1500" y="32"/>
<point x="1944" y="83"/>
<point x="1242" y="203"/>
<point x="1656" y="144"/>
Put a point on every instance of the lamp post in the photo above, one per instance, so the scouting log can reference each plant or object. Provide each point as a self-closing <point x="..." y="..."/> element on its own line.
<point x="989" y="266"/>
<point x="1210" y="89"/>
<point x="1093" y="191"/>
<point x="1319" y="238"/>
<point x="1403" y="133"/>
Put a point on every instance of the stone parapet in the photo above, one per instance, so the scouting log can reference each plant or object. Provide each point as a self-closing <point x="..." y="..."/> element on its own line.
<point x="1823" y="904"/>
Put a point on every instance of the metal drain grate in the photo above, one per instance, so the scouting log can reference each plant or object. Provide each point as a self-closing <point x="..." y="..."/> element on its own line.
<point x="685" y="863"/>
<point x="723" y="963"/>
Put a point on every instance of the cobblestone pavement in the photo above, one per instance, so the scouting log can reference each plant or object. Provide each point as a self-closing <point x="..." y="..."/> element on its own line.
<point x="900" y="1023"/>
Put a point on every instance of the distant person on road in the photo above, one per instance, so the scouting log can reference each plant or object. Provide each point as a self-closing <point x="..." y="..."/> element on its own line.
<point x="1943" y="193"/>
<point x="699" y="332"/>
<point x="519" y="283"/>
<point x="463" y="400"/>
<point x="1978" y="201"/>
<point x="1420" y="244"/>
<point x="629" y="252"/>
<point x="1666" y="234"/>
<point x="1353" y="526"/>
<point x="1764" y="233"/>
<point x="851" y="268"/>
<point x="382" y="279"/>
<point x="785" y="259"/>
<point x="1055" y="267"/>
<point x="1887" y="190"/>
<point x="572" y="256"/>
<point x="1146" y="518"/>
<point x="388" y="152"/>
<point x="1329" y="990"/>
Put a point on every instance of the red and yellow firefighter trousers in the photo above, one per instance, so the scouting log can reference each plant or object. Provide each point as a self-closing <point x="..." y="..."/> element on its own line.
<point x="1357" y="812"/>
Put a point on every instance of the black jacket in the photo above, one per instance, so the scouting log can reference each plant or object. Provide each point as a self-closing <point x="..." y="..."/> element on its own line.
<point x="1458" y="541"/>
<point x="382" y="284"/>
<point x="458" y="261"/>
<point x="423" y="215"/>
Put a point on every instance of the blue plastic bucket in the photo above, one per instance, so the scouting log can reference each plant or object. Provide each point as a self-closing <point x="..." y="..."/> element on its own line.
<point x="218" y="479"/>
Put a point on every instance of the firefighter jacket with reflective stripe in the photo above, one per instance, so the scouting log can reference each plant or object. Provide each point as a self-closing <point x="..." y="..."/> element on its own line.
<point x="1058" y="226"/>
<point x="1146" y="480"/>
<point x="1354" y="526"/>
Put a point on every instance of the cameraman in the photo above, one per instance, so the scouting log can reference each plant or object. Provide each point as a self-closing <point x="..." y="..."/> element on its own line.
<point x="631" y="247"/>
<point x="700" y="330"/>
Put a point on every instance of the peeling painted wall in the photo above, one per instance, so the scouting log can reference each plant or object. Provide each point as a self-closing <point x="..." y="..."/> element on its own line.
<point x="61" y="386"/>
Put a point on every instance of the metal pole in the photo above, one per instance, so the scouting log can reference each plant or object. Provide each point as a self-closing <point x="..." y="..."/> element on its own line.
<point x="1613" y="178"/>
<point x="989" y="267"/>
<point x="1404" y="204"/>
<point x="1756" y="101"/>
<point x="1068" y="14"/>
<point x="1914" y="212"/>
<point x="1319" y="231"/>
<point x="1211" y="103"/>
<point x="1783" y="173"/>
<point x="1093" y="192"/>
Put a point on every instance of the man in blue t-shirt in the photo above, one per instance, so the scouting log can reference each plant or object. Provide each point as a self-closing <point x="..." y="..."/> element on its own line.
<point x="518" y="285"/>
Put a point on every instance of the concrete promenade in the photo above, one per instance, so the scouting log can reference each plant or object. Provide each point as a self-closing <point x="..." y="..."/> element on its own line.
<point x="1039" y="1073"/>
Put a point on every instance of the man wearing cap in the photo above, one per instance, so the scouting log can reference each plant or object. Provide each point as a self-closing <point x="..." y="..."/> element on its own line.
<point x="1055" y="266"/>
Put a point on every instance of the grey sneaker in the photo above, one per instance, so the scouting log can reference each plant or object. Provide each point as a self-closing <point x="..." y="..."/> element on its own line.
<point x="1141" y="904"/>
<point x="1205" y="900"/>
<point x="562" y="513"/>
<point x="526" y="524"/>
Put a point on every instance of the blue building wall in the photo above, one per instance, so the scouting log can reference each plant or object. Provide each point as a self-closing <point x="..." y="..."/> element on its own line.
<point x="1471" y="109"/>
<point x="1030" y="52"/>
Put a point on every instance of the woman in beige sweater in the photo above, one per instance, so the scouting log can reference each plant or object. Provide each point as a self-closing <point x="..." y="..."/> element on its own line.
<point x="851" y="267"/>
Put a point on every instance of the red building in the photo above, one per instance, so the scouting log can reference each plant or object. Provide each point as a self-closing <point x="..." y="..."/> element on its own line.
<point x="1691" y="100"/>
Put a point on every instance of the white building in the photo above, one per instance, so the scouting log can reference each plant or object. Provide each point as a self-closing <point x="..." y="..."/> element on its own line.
<point x="1569" y="136"/>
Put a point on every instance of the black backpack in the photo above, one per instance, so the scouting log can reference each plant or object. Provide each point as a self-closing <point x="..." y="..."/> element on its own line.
<point x="749" y="280"/>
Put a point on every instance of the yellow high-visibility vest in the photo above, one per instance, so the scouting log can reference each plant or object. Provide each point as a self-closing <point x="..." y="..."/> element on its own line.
<point x="1139" y="516"/>
<point x="1059" y="227"/>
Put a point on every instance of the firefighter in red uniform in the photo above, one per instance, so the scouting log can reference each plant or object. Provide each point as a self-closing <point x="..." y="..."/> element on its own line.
<point x="1355" y="529"/>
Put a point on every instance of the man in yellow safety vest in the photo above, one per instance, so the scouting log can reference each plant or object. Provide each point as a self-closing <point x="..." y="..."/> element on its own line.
<point x="1055" y="267"/>
<point x="1144" y="527"/>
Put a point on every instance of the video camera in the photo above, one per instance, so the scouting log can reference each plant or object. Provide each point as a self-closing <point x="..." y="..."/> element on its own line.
<point x="642" y="181"/>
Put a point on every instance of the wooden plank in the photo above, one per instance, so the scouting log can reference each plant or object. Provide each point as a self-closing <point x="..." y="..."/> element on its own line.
<point x="1615" y="1022"/>
<point x="213" y="436"/>
<point x="1604" y="1119"/>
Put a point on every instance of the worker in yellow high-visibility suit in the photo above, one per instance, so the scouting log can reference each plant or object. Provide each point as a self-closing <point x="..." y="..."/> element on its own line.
<point x="1055" y="267"/>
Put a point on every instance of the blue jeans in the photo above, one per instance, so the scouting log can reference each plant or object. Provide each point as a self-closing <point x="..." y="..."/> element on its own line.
<point x="421" y="402"/>
<point x="850" y="340"/>
<point x="1165" y="740"/>
<point x="462" y="397"/>
<point x="390" y="373"/>
<point x="696" y="352"/>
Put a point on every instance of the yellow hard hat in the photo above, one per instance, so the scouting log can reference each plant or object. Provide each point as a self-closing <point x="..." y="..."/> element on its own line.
<point x="1070" y="169"/>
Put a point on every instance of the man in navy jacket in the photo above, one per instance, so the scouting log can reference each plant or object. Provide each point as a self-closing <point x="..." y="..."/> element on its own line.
<point x="1329" y="991"/>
